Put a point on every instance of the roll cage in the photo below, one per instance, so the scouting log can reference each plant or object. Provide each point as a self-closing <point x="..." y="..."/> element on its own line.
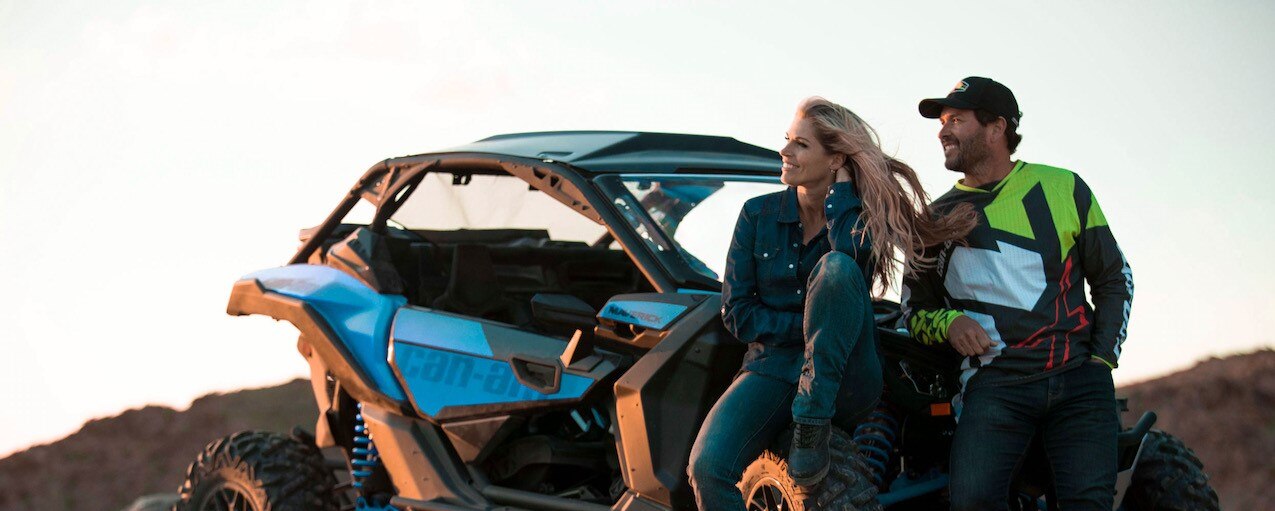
<point x="388" y="184"/>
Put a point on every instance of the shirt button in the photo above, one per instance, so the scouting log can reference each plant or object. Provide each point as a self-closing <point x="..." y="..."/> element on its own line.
<point x="767" y="254"/>
<point x="830" y="192"/>
<point x="798" y="291"/>
<point x="830" y="206"/>
<point x="790" y="266"/>
<point x="794" y="245"/>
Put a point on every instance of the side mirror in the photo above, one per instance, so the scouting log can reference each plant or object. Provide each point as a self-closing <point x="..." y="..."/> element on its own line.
<point x="562" y="313"/>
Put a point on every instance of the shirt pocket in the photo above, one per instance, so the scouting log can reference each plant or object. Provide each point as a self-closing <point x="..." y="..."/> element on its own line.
<point x="768" y="259"/>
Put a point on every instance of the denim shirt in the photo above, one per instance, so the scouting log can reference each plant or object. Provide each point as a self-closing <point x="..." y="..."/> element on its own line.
<point x="764" y="289"/>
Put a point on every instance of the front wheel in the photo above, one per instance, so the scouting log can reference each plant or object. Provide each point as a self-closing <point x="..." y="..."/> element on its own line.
<point x="767" y="486"/>
<point x="1169" y="477"/>
<point x="258" y="471"/>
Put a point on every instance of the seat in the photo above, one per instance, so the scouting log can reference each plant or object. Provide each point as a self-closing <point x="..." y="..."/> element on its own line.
<point x="472" y="288"/>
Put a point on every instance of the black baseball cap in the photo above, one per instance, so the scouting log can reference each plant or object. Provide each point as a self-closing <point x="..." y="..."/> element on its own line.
<point x="976" y="93"/>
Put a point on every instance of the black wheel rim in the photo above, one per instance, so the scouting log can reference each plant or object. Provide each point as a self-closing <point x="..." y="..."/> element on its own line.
<point x="767" y="495"/>
<point x="227" y="497"/>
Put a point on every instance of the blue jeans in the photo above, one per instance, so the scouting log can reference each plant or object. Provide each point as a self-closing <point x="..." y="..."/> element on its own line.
<point x="1075" y="415"/>
<point x="840" y="383"/>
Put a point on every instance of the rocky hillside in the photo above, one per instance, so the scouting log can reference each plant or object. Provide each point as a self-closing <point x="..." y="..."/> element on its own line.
<point x="110" y="462"/>
<point x="1224" y="409"/>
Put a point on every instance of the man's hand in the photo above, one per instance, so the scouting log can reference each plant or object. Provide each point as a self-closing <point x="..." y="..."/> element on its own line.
<point x="968" y="337"/>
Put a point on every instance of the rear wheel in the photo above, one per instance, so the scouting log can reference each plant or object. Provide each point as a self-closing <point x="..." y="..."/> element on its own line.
<point x="1169" y="478"/>
<point x="767" y="486"/>
<point x="258" y="471"/>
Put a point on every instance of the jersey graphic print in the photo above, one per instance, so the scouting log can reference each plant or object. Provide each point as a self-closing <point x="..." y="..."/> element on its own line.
<point x="1041" y="236"/>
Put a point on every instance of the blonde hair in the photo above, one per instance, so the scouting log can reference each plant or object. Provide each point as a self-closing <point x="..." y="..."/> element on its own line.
<point x="897" y="217"/>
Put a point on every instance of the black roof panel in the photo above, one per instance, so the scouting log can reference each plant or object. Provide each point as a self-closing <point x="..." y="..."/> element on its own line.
<point x="630" y="151"/>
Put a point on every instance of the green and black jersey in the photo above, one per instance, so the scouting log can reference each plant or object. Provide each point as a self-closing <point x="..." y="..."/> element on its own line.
<point x="1021" y="276"/>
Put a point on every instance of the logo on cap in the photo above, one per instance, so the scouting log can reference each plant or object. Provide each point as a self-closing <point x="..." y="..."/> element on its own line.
<point x="960" y="87"/>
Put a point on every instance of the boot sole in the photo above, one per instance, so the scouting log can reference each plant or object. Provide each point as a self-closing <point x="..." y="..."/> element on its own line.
<point x="811" y="480"/>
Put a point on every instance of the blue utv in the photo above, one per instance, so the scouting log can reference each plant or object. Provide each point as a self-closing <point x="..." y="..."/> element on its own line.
<point x="532" y="322"/>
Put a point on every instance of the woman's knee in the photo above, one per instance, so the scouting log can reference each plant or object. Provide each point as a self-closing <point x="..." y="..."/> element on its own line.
<point x="708" y="466"/>
<point x="839" y="269"/>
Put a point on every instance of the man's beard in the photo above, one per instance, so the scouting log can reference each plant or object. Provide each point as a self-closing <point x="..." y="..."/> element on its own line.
<point x="969" y="153"/>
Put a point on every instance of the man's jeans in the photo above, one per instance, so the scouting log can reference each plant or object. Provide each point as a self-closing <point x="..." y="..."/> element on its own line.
<point x="841" y="384"/>
<point x="1074" y="413"/>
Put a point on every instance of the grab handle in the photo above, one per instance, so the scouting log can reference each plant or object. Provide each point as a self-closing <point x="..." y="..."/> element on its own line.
<point x="543" y="376"/>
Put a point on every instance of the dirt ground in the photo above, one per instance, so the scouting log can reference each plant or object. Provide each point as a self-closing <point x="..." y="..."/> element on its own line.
<point x="1224" y="409"/>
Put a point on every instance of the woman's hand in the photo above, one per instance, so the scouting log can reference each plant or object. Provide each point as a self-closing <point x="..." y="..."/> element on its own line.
<point x="842" y="175"/>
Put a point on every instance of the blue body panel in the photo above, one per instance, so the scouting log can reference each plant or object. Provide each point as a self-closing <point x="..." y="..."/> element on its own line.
<point x="438" y="379"/>
<point x="653" y="315"/>
<point x="430" y="328"/>
<point x="358" y="315"/>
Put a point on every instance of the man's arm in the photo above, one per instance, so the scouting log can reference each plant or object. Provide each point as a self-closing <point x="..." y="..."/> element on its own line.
<point x="1110" y="279"/>
<point x="743" y="312"/>
<point x="930" y="322"/>
<point x="924" y="309"/>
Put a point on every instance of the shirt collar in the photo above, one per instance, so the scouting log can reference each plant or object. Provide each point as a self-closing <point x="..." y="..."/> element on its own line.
<point x="788" y="202"/>
<point x="1017" y="165"/>
<point x="788" y="206"/>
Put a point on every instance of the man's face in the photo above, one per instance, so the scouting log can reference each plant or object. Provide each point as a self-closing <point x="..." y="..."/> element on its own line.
<point x="965" y="142"/>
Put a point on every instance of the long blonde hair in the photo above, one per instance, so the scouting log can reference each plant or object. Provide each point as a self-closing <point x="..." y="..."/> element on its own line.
<point x="897" y="217"/>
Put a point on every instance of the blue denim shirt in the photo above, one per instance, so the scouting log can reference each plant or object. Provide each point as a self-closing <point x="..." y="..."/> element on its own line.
<point x="764" y="289"/>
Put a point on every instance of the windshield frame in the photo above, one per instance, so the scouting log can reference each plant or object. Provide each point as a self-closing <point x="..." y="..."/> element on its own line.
<point x="614" y="188"/>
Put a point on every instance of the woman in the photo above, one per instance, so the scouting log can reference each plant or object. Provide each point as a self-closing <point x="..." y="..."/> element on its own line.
<point x="797" y="291"/>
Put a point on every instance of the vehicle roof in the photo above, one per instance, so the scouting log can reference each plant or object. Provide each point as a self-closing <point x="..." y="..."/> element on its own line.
<point x="630" y="151"/>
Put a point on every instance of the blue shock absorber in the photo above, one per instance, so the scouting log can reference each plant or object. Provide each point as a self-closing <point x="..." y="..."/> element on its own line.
<point x="364" y="458"/>
<point x="875" y="438"/>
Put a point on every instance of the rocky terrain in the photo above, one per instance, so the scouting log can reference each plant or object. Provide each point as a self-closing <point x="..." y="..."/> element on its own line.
<point x="1224" y="409"/>
<point x="110" y="462"/>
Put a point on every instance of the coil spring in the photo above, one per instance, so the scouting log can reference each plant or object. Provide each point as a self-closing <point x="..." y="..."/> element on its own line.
<point x="875" y="438"/>
<point x="364" y="459"/>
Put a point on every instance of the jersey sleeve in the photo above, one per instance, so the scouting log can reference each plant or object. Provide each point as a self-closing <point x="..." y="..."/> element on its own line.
<point x="924" y="309"/>
<point x="1109" y="276"/>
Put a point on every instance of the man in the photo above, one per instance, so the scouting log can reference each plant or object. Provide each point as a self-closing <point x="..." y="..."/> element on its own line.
<point x="1038" y="357"/>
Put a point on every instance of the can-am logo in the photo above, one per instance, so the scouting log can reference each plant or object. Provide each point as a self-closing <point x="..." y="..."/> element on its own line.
<point x="960" y="87"/>
<point x="476" y="375"/>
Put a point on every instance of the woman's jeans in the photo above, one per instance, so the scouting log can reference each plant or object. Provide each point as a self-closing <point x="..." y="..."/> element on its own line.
<point x="840" y="383"/>
<point x="1073" y="412"/>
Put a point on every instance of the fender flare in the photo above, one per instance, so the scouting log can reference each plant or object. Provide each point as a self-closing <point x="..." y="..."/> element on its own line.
<point x="249" y="297"/>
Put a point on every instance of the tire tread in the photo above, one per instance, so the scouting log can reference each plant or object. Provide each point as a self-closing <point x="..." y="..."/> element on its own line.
<point x="289" y="474"/>
<point x="1169" y="477"/>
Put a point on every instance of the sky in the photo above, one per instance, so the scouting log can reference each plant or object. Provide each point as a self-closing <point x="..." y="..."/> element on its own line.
<point x="153" y="152"/>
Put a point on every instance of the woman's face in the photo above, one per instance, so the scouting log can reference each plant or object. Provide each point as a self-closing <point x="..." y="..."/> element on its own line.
<point x="806" y="162"/>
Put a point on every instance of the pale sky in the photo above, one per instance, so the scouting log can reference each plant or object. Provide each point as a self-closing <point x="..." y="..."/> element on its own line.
<point x="153" y="152"/>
